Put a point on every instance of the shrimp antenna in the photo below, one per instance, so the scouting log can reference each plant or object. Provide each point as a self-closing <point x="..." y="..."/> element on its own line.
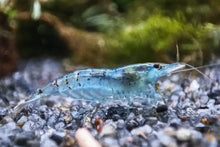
<point x="196" y="69"/>
<point x="177" y="53"/>
<point x="203" y="66"/>
<point x="191" y="67"/>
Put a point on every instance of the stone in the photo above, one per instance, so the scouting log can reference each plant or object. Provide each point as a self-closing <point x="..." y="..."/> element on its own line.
<point x="28" y="126"/>
<point x="9" y="127"/>
<point x="52" y="120"/>
<point x="217" y="109"/>
<point x="122" y="112"/>
<point x="165" y="139"/>
<point x="194" y="85"/>
<point x="58" y="137"/>
<point x="68" y="118"/>
<point x="144" y="130"/>
<point x="60" y="126"/>
<point x="48" y="143"/>
<point x="110" y="142"/>
<point x="183" y="134"/>
<point x="120" y="124"/>
<point x="131" y="124"/>
<point x="22" y="139"/>
<point x="4" y="140"/>
<point x="174" y="99"/>
<point x="76" y="115"/>
<point x="6" y="120"/>
<point x="170" y="131"/>
<point x="203" y="100"/>
<point x="109" y="128"/>
<point x="195" y="135"/>
<point x="22" y="119"/>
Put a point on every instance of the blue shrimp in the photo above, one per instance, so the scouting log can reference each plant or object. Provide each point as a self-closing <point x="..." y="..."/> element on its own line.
<point x="101" y="84"/>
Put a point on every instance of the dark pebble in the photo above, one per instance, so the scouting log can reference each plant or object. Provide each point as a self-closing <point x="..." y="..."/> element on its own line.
<point x="163" y="116"/>
<point x="58" y="139"/>
<point x="117" y="113"/>
<point x="3" y="112"/>
<point x="49" y="103"/>
<point x="161" y="108"/>
<point x="4" y="99"/>
<point x="131" y="124"/>
<point x="214" y="94"/>
<point x="185" y="83"/>
<point x="23" y="138"/>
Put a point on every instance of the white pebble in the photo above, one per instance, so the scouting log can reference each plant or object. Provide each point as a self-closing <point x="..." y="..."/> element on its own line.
<point x="183" y="134"/>
<point x="146" y="129"/>
<point x="194" y="85"/>
<point x="109" y="128"/>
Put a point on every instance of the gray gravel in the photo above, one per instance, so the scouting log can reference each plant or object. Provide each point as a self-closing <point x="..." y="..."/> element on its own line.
<point x="192" y="108"/>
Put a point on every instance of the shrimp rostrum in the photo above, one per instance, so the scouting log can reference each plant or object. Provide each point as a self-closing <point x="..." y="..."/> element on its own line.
<point x="101" y="84"/>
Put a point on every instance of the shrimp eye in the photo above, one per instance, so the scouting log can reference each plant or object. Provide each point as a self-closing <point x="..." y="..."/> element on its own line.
<point x="157" y="66"/>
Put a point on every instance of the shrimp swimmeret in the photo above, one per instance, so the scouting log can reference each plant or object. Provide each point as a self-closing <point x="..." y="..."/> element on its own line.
<point x="101" y="84"/>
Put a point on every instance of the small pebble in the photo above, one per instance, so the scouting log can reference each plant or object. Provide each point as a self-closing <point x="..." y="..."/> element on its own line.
<point x="28" y="126"/>
<point x="120" y="124"/>
<point x="59" y="126"/>
<point x="204" y="100"/>
<point x="57" y="137"/>
<point x="166" y="140"/>
<point x="6" y="120"/>
<point x="118" y="112"/>
<point x="131" y="124"/>
<point x="142" y="131"/>
<point x="68" y="118"/>
<point x="22" y="119"/>
<point x="110" y="142"/>
<point x="4" y="140"/>
<point x="7" y="128"/>
<point x="22" y="139"/>
<point x="170" y="131"/>
<point x="174" y="99"/>
<point x="109" y="128"/>
<point x="196" y="136"/>
<point x="194" y="85"/>
<point x="76" y="115"/>
<point x="52" y="120"/>
<point x="48" y="143"/>
<point x="183" y="134"/>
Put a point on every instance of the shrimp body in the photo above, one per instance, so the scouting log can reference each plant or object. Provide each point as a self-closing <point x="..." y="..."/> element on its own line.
<point x="101" y="84"/>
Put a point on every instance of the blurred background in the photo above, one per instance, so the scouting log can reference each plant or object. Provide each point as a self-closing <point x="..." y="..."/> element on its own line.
<point x="108" y="33"/>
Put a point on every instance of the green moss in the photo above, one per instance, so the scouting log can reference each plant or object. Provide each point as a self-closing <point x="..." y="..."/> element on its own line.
<point x="159" y="34"/>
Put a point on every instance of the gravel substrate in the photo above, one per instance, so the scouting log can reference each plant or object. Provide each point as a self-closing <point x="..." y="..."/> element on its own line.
<point x="190" y="117"/>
